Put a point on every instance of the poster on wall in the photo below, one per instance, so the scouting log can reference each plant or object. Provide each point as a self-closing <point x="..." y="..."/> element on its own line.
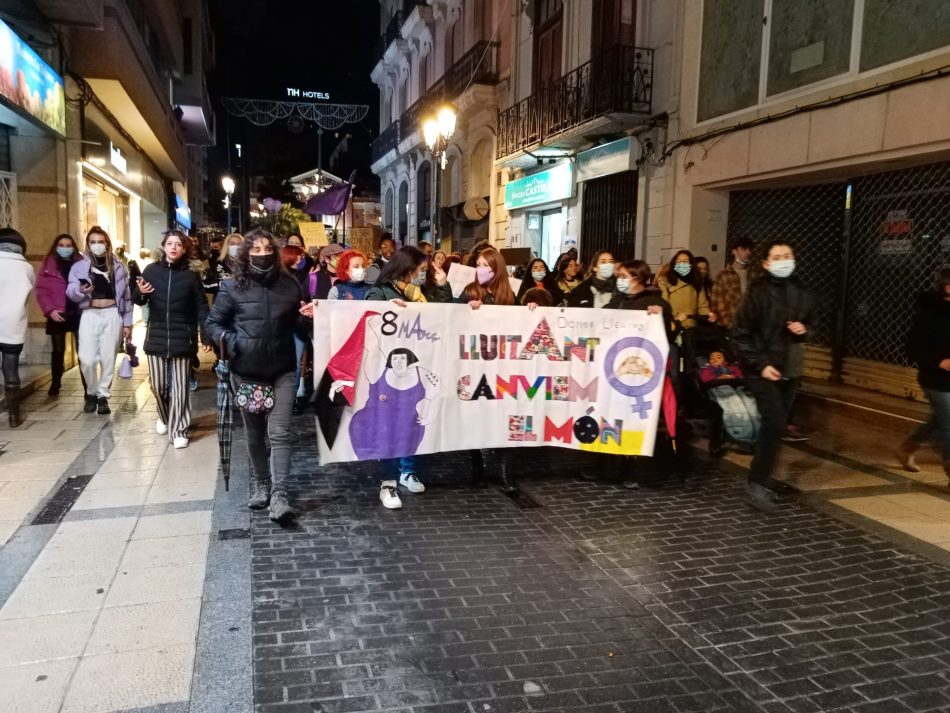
<point x="397" y="381"/>
<point x="27" y="82"/>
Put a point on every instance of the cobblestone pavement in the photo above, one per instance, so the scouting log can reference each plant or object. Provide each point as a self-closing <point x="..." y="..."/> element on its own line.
<point x="673" y="597"/>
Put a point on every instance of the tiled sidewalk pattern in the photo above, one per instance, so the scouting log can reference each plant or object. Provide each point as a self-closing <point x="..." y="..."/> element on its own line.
<point x="107" y="616"/>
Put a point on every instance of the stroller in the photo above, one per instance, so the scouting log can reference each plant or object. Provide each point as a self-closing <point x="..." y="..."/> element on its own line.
<point x="714" y="389"/>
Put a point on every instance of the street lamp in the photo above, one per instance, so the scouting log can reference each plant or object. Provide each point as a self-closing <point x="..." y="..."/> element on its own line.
<point x="227" y="183"/>
<point x="437" y="131"/>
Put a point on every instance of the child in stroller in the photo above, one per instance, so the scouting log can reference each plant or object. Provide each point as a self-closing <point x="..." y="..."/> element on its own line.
<point x="719" y="392"/>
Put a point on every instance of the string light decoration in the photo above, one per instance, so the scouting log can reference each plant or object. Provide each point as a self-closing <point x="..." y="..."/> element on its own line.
<point x="264" y="112"/>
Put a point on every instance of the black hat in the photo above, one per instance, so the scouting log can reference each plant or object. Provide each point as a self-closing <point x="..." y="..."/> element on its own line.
<point x="11" y="236"/>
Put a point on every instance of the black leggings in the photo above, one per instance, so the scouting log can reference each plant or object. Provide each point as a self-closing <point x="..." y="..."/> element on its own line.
<point x="11" y="364"/>
<point x="58" y="355"/>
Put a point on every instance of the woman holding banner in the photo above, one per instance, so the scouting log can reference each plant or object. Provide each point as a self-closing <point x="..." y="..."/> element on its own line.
<point x="491" y="287"/>
<point x="598" y="289"/>
<point x="401" y="280"/>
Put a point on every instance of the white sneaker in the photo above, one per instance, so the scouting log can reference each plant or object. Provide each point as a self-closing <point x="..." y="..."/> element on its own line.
<point x="411" y="483"/>
<point x="180" y="442"/>
<point x="161" y="428"/>
<point x="389" y="496"/>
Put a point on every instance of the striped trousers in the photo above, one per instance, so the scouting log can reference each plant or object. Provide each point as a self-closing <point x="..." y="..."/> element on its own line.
<point x="168" y="378"/>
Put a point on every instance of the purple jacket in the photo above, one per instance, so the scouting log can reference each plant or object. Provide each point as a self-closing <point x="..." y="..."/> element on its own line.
<point x="50" y="287"/>
<point x="123" y="297"/>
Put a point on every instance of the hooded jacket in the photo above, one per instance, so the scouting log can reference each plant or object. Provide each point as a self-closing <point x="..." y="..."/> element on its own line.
<point x="257" y="323"/>
<point x="123" y="297"/>
<point x="929" y="341"/>
<point x="760" y="329"/>
<point x="177" y="308"/>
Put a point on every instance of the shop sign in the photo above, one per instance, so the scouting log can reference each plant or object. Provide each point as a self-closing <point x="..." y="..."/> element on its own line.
<point x="615" y="157"/>
<point x="545" y="187"/>
<point x="297" y="93"/>
<point x="182" y="213"/>
<point x="896" y="231"/>
<point x="117" y="159"/>
<point x="27" y="82"/>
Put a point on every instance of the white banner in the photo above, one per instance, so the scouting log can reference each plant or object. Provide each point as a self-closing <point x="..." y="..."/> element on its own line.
<point x="398" y="381"/>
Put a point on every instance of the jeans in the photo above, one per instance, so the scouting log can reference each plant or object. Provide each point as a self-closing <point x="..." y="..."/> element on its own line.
<point x="274" y="427"/>
<point x="773" y="399"/>
<point x="301" y="346"/>
<point x="11" y="364"/>
<point x="394" y="467"/>
<point x="939" y="423"/>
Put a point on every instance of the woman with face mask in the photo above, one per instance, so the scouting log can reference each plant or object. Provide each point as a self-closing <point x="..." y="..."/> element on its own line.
<point x="177" y="308"/>
<point x="681" y="285"/>
<point x="598" y="288"/>
<point x="99" y="285"/>
<point x="323" y="276"/>
<point x="491" y="285"/>
<point x="537" y="276"/>
<point x="351" y="277"/>
<point x="233" y="246"/>
<point x="292" y="257"/>
<point x="62" y="314"/>
<point x="401" y="280"/>
<point x="255" y="318"/>
<point x="567" y="276"/>
<point x="636" y="291"/>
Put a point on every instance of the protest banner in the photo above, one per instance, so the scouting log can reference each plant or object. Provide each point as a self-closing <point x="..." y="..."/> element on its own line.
<point x="397" y="381"/>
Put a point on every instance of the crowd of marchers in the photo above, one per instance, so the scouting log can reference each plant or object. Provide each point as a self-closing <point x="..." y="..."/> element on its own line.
<point x="737" y="340"/>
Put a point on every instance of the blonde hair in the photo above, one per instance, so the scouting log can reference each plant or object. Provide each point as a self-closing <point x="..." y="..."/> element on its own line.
<point x="96" y="230"/>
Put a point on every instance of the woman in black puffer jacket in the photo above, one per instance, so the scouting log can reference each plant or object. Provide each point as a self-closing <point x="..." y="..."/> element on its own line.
<point x="177" y="307"/>
<point x="255" y="317"/>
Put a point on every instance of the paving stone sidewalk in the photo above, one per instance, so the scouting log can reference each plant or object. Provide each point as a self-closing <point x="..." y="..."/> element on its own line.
<point x="674" y="597"/>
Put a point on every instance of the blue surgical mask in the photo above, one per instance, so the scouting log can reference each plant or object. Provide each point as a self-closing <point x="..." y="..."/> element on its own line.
<point x="65" y="253"/>
<point x="683" y="268"/>
<point x="420" y="280"/>
<point x="538" y="275"/>
<point x="623" y="284"/>
<point x="781" y="268"/>
<point x="605" y="271"/>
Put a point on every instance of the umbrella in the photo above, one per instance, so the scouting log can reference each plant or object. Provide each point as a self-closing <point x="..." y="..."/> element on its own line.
<point x="225" y="415"/>
<point x="669" y="406"/>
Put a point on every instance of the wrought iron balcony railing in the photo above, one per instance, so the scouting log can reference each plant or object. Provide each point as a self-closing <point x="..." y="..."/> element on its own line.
<point x="617" y="82"/>
<point x="385" y="142"/>
<point x="394" y="28"/>
<point x="477" y="66"/>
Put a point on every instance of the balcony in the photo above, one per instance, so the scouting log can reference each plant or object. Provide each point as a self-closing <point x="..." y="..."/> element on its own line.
<point x="619" y="82"/>
<point x="385" y="142"/>
<point x="393" y="29"/>
<point x="477" y="66"/>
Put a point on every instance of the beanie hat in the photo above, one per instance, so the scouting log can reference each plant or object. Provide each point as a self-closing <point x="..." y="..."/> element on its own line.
<point x="9" y="236"/>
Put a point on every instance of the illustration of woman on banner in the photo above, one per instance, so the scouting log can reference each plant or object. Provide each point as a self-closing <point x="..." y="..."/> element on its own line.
<point x="394" y="418"/>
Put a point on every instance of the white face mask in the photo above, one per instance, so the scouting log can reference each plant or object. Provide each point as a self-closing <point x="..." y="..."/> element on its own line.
<point x="358" y="274"/>
<point x="782" y="268"/>
<point x="624" y="284"/>
<point x="97" y="249"/>
<point x="234" y="250"/>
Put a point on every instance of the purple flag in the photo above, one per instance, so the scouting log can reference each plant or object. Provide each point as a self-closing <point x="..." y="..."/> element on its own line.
<point x="331" y="202"/>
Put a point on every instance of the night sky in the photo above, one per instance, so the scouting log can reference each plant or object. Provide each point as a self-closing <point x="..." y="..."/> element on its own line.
<point x="319" y="45"/>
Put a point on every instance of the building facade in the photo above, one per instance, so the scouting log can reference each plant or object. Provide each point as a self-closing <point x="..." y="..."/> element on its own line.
<point x="823" y="122"/>
<point x="117" y="157"/>
<point x="430" y="54"/>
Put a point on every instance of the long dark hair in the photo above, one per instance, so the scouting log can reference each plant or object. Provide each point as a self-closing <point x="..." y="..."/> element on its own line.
<point x="64" y="236"/>
<point x="242" y="268"/>
<point x="673" y="277"/>
<point x="403" y="263"/>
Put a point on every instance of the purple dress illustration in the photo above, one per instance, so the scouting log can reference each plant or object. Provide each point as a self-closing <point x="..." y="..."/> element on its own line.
<point x="392" y="422"/>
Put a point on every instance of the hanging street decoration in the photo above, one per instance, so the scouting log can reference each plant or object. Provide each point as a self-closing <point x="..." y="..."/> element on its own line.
<point x="264" y="112"/>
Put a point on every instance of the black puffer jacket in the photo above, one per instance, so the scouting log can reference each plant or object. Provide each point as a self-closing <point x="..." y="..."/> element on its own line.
<point x="760" y="328"/>
<point x="176" y="308"/>
<point x="257" y="323"/>
<point x="649" y="297"/>
<point x="929" y="341"/>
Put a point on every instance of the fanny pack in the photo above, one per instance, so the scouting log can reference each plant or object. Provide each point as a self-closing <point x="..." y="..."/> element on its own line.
<point x="253" y="397"/>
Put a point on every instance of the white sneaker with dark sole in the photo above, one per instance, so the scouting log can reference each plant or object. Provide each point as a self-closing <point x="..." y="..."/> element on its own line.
<point x="161" y="428"/>
<point x="389" y="496"/>
<point x="411" y="482"/>
<point x="180" y="442"/>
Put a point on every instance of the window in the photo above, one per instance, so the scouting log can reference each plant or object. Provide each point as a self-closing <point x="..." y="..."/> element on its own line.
<point x="897" y="30"/>
<point x="404" y="95"/>
<point x="425" y="72"/>
<point x="484" y="26"/>
<point x="809" y="40"/>
<point x="424" y="195"/>
<point x="5" y="160"/>
<point x="403" y="208"/>
<point x="546" y="11"/>
<point x="730" y="57"/>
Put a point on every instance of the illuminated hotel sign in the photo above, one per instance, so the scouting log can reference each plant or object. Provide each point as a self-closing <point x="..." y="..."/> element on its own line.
<point x="28" y="83"/>
<point x="306" y="94"/>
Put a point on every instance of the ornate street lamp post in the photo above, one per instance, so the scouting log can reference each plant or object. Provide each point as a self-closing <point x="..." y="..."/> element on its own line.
<point x="437" y="131"/>
<point x="227" y="183"/>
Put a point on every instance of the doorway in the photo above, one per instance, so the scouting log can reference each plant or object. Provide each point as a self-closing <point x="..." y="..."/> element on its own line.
<point x="552" y="236"/>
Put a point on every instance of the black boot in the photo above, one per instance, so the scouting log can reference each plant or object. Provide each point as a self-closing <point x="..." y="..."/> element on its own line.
<point x="506" y="483"/>
<point x="90" y="405"/>
<point x="102" y="407"/>
<point x="478" y="469"/>
<point x="12" y="395"/>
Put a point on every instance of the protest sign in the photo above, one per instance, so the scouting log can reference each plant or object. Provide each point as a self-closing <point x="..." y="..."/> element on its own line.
<point x="426" y="378"/>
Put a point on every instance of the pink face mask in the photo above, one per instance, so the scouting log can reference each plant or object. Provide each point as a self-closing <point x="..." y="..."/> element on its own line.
<point x="484" y="275"/>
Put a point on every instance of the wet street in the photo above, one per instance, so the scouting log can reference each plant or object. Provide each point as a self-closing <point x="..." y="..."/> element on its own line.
<point x="154" y="590"/>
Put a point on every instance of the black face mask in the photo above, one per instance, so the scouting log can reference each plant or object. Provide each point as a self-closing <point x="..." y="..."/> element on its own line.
<point x="263" y="263"/>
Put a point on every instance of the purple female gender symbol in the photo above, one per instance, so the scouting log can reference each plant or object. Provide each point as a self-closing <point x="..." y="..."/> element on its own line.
<point x="640" y="406"/>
